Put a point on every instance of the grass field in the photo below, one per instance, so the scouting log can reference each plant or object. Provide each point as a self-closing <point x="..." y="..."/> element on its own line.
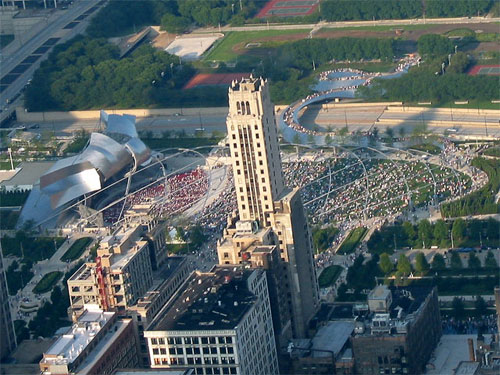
<point x="329" y="276"/>
<point x="47" y="282"/>
<point x="352" y="240"/>
<point x="223" y="49"/>
<point x="180" y="248"/>
<point x="76" y="249"/>
<point x="378" y="28"/>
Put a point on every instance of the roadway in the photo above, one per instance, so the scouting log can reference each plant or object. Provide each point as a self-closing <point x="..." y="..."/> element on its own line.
<point x="19" y="65"/>
<point x="362" y="119"/>
<point x="343" y="24"/>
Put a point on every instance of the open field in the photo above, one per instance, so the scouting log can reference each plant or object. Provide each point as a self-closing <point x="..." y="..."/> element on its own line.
<point x="77" y="249"/>
<point x="329" y="276"/>
<point x="47" y="282"/>
<point x="234" y="43"/>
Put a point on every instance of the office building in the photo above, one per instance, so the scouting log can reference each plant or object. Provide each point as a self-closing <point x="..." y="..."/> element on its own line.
<point x="401" y="332"/>
<point x="98" y="343"/>
<point x="218" y="322"/>
<point x="7" y="335"/>
<point x="269" y="213"/>
<point x="166" y="281"/>
<point x="121" y="274"/>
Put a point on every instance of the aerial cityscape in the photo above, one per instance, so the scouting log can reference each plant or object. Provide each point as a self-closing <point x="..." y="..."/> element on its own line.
<point x="250" y="187"/>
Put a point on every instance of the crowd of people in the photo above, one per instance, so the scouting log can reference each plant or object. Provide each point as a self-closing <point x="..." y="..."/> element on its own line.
<point x="170" y="195"/>
<point x="487" y="324"/>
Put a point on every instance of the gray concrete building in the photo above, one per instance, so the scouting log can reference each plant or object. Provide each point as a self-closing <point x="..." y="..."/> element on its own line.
<point x="218" y="322"/>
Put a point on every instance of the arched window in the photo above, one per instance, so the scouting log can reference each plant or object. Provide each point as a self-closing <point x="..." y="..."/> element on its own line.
<point x="238" y="107"/>
<point x="248" y="108"/>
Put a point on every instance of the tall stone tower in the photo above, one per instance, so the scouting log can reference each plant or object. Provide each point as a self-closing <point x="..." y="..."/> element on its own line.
<point x="270" y="216"/>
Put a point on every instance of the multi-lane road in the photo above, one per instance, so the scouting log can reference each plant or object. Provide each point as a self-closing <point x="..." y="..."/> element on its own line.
<point x="437" y="121"/>
<point x="18" y="67"/>
<point x="362" y="119"/>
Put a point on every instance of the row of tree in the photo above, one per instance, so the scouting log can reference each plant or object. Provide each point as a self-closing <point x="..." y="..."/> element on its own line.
<point x="425" y="85"/>
<point x="347" y="10"/>
<point x="86" y="73"/>
<point x="441" y="234"/>
<point x="404" y="266"/>
<point x="119" y="17"/>
<point x="481" y="201"/>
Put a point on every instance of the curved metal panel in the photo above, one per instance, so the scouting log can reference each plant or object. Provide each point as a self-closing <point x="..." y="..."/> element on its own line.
<point x="139" y="150"/>
<point x="105" y="154"/>
<point x="76" y="185"/>
<point x="124" y="124"/>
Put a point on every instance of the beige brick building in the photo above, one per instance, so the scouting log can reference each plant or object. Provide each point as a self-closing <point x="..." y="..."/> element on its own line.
<point x="269" y="213"/>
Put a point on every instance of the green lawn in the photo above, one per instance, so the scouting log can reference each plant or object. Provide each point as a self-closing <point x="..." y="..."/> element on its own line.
<point x="223" y="49"/>
<point x="378" y="28"/>
<point x="427" y="147"/>
<point x="329" y="276"/>
<point x="76" y="249"/>
<point x="47" y="282"/>
<point x="352" y="240"/>
<point x="32" y="249"/>
<point x="5" y="165"/>
<point x="180" y="248"/>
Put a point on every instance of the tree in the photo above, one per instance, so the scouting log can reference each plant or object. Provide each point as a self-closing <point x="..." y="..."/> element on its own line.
<point x="296" y="139"/>
<point x="196" y="236"/>
<point x="456" y="261"/>
<point x="440" y="231"/>
<point x="389" y="132"/>
<point x="425" y="232"/>
<point x="458" y="308"/>
<point x="474" y="262"/>
<point x="385" y="263"/>
<point x="404" y="265"/>
<point x="179" y="234"/>
<point x="458" y="231"/>
<point x="480" y="305"/>
<point x="328" y="140"/>
<point x="174" y="24"/>
<point x="459" y="63"/>
<point x="490" y="261"/>
<point x="438" y="262"/>
<point x="434" y="45"/>
<point x="421" y="264"/>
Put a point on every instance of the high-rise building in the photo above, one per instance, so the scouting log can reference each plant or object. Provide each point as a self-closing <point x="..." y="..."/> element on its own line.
<point x="98" y="343"/>
<point x="218" y="322"/>
<point x="121" y="275"/>
<point x="269" y="213"/>
<point x="402" y="330"/>
<point x="7" y="336"/>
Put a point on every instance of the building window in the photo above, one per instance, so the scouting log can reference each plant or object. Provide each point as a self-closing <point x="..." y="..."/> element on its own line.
<point x="234" y="136"/>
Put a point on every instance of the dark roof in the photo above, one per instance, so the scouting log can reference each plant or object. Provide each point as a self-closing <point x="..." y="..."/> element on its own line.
<point x="208" y="301"/>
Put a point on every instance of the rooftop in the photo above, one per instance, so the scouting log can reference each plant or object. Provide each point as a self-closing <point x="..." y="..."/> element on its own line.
<point x="69" y="346"/>
<point x="28" y="174"/>
<point x="331" y="337"/>
<point x="406" y="303"/>
<point x="214" y="300"/>
<point x="103" y="346"/>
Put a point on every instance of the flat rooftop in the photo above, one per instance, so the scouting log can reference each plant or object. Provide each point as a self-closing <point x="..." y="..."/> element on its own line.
<point x="331" y="337"/>
<point x="215" y="300"/>
<point x="28" y="174"/>
<point x="69" y="346"/>
<point x="450" y="351"/>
